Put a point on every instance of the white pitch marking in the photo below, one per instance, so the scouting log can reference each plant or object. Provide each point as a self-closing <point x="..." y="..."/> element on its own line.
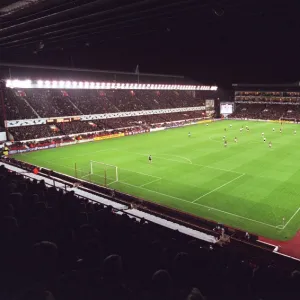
<point x="205" y="206"/>
<point x="182" y="157"/>
<point x="291" y="218"/>
<point x="150" y="182"/>
<point x="182" y="162"/>
<point x="219" y="187"/>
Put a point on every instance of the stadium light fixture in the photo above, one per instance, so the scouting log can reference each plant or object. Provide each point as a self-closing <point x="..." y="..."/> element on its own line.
<point x="8" y="83"/>
<point x="15" y="83"/>
<point x="27" y="83"/>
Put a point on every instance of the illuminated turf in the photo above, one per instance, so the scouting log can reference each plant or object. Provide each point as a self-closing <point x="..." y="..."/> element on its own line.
<point x="246" y="185"/>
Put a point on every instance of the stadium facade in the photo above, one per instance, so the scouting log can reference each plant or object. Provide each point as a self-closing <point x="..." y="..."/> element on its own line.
<point x="267" y="101"/>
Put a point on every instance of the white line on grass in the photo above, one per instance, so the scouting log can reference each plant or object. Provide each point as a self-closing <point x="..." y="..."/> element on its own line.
<point x="182" y="162"/>
<point x="73" y="168"/>
<point x="85" y="175"/>
<point x="205" y="206"/>
<point x="112" y="182"/>
<point x="150" y="182"/>
<point x="140" y="173"/>
<point x="182" y="157"/>
<point x="291" y="218"/>
<point x="208" y="207"/>
<point x="219" y="187"/>
<point x="142" y="154"/>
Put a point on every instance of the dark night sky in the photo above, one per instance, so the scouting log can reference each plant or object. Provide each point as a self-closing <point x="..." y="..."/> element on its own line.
<point x="250" y="41"/>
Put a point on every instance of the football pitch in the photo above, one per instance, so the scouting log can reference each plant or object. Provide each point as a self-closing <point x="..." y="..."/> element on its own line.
<point x="245" y="185"/>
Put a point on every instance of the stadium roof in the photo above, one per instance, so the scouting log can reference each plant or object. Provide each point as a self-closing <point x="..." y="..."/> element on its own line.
<point x="213" y="38"/>
<point x="9" y="7"/>
<point x="267" y="85"/>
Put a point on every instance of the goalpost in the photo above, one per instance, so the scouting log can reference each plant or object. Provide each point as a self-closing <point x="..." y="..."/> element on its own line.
<point x="104" y="172"/>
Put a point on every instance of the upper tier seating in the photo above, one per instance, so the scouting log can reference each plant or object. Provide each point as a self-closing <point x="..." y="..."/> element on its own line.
<point x="34" y="103"/>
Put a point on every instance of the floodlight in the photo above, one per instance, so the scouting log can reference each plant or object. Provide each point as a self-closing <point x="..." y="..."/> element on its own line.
<point x="25" y="83"/>
<point x="61" y="83"/>
<point x="15" y="83"/>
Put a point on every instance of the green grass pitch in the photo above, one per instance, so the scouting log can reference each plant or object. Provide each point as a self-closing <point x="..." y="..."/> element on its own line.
<point x="246" y="185"/>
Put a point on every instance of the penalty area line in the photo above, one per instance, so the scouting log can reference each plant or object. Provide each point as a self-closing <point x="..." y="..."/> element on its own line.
<point x="150" y="182"/>
<point x="181" y="157"/>
<point x="198" y="204"/>
<point x="219" y="187"/>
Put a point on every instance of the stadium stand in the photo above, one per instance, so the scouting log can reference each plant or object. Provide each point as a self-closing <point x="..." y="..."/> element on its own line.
<point x="265" y="102"/>
<point x="57" y="246"/>
<point x="32" y="132"/>
<point x="266" y="111"/>
<point x="33" y="103"/>
<point x="49" y="103"/>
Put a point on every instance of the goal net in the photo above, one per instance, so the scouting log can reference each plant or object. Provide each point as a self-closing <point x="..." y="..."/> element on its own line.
<point x="102" y="173"/>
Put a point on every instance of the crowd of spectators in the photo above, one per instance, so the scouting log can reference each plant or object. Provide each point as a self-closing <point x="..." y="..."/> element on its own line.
<point x="263" y="96"/>
<point x="81" y="127"/>
<point x="55" y="245"/>
<point x="291" y="112"/>
<point x="24" y="133"/>
<point x="267" y="112"/>
<point x="92" y="101"/>
<point x="76" y="127"/>
<point x="34" y="103"/>
<point x="16" y="108"/>
<point x="51" y="103"/>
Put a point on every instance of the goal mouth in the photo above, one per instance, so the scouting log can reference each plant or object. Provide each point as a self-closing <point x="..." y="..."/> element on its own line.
<point x="98" y="172"/>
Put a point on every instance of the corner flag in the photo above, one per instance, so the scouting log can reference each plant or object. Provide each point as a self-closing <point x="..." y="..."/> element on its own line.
<point x="137" y="71"/>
